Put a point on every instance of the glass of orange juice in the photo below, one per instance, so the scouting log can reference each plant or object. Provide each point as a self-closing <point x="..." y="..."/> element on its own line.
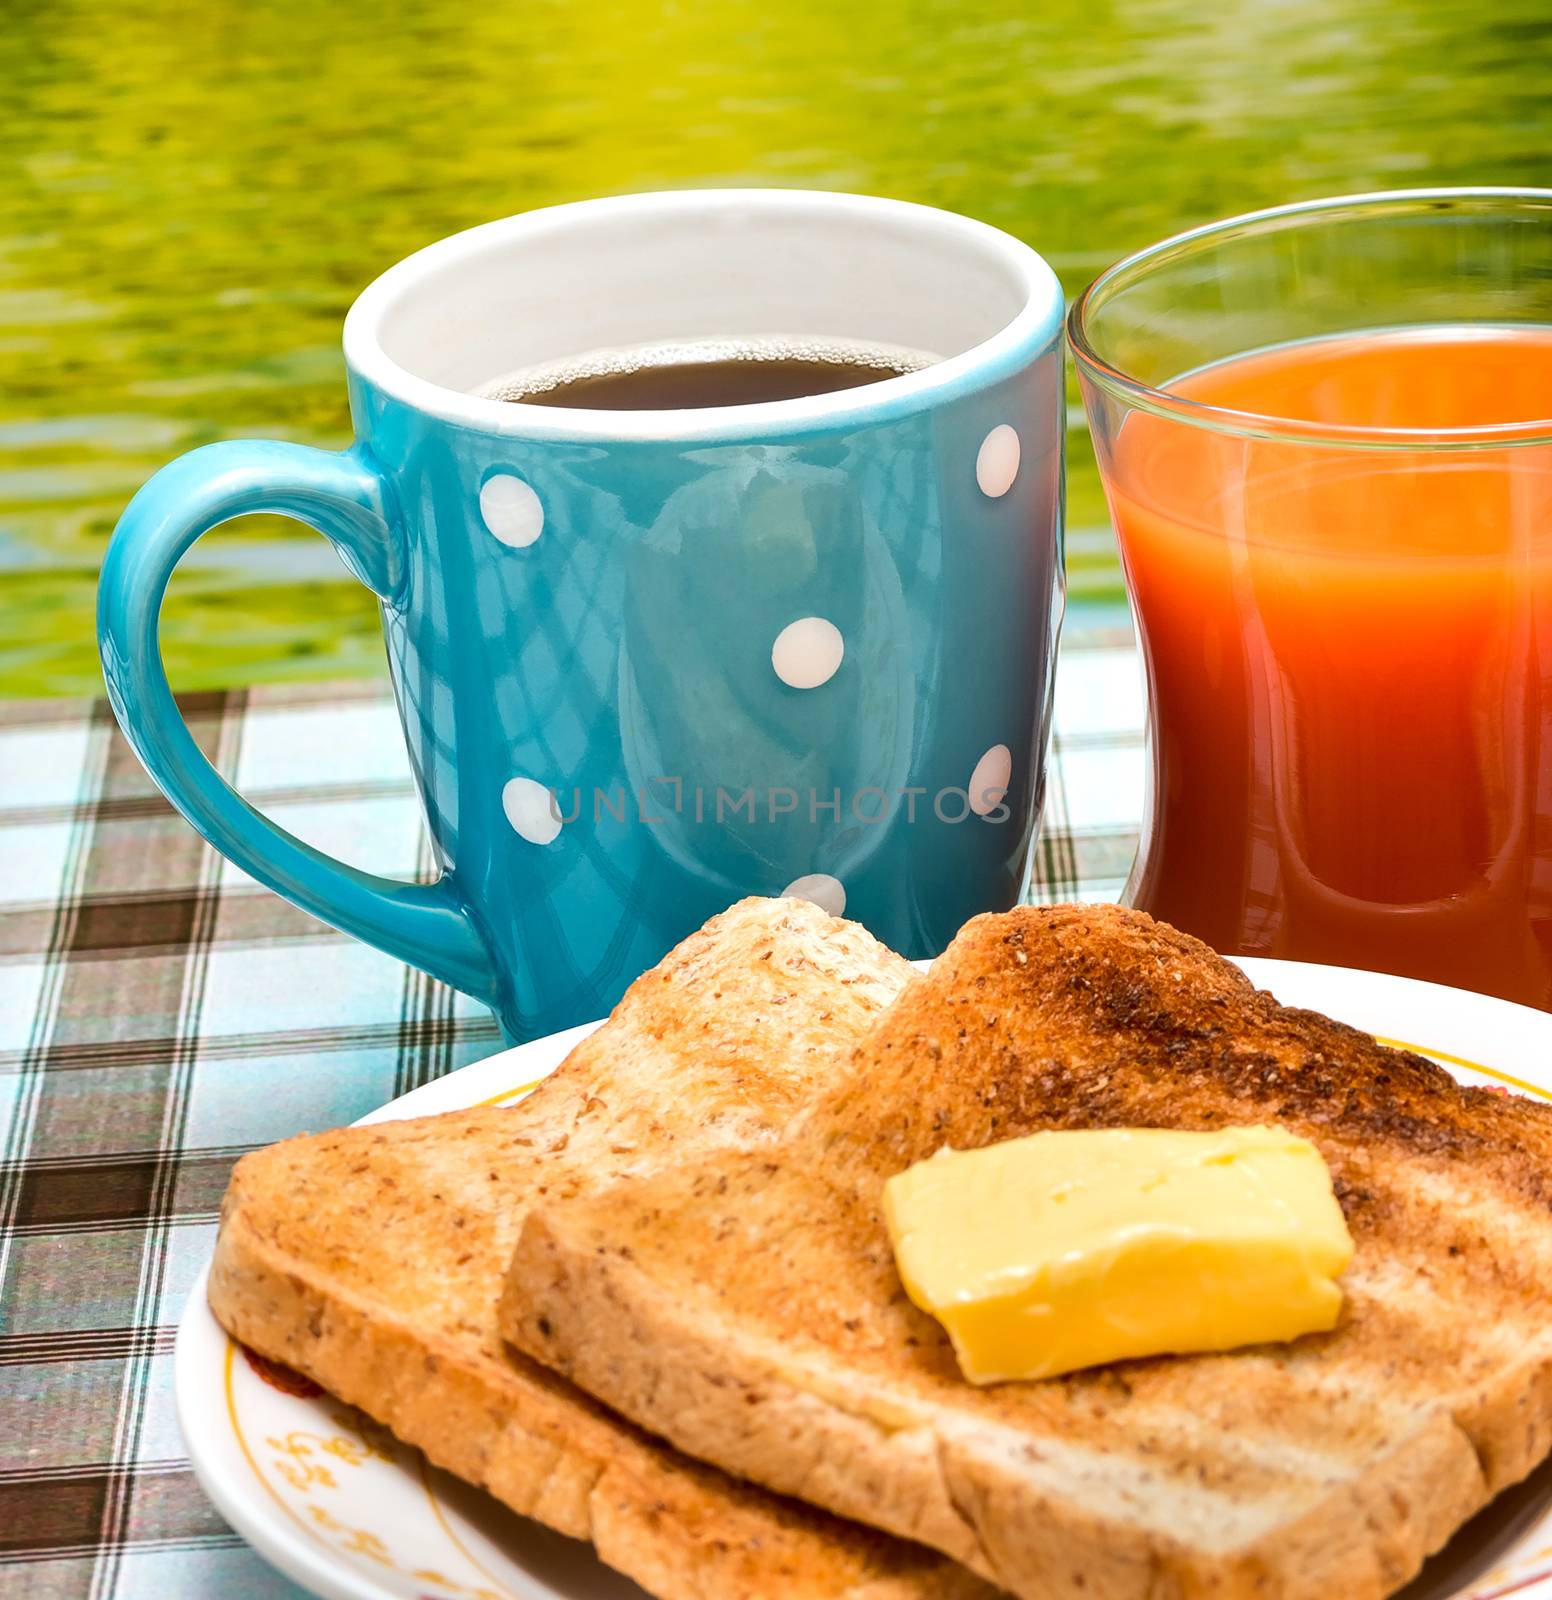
<point x="1326" y="438"/>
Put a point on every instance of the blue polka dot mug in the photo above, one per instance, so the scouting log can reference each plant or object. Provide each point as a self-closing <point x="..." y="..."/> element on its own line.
<point x="649" y="662"/>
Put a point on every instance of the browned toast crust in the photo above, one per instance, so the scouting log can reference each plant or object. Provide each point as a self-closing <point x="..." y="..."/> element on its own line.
<point x="371" y="1259"/>
<point x="748" y="1308"/>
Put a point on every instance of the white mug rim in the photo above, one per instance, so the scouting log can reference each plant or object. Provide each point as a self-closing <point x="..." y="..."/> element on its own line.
<point x="1037" y="323"/>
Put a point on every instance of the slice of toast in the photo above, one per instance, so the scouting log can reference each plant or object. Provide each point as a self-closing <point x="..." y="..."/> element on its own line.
<point x="748" y="1307"/>
<point x="371" y="1260"/>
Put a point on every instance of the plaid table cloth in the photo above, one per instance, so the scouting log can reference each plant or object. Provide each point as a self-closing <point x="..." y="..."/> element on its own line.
<point x="160" y="1014"/>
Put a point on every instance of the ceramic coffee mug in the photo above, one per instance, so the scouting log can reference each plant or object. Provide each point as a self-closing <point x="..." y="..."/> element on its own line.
<point x="649" y="662"/>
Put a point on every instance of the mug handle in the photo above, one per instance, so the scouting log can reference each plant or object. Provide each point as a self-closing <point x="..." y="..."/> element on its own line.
<point x="348" y="500"/>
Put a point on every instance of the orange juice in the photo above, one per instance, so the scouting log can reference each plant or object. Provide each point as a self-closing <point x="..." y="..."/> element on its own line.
<point x="1349" y="655"/>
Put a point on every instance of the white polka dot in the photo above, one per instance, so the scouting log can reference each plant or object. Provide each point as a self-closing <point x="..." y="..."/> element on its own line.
<point x="997" y="464"/>
<point x="531" y="809"/>
<point x="808" y="652"/>
<point x="828" y="893"/>
<point x="511" y="510"/>
<point x="989" y="781"/>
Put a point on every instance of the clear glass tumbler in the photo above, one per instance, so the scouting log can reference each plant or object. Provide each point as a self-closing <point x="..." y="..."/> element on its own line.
<point x="1326" y="438"/>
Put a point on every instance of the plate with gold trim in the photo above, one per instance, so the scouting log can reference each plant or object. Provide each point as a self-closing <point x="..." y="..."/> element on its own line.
<point x="339" y="1505"/>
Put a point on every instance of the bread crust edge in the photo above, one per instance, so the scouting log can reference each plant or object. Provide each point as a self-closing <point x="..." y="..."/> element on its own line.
<point x="651" y="1520"/>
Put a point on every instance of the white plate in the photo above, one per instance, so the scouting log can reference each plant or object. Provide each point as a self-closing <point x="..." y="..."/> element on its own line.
<point x="352" y="1514"/>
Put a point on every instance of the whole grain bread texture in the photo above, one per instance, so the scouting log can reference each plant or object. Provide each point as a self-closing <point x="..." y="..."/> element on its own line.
<point x="371" y="1260"/>
<point x="747" y="1306"/>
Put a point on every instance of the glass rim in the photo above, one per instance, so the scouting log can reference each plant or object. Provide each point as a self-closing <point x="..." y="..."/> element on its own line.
<point x="1248" y="424"/>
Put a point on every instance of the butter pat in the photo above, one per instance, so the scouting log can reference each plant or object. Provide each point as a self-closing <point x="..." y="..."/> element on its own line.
<point x="1063" y="1250"/>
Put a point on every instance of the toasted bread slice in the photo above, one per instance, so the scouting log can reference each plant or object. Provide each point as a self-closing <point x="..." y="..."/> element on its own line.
<point x="371" y="1260"/>
<point x="748" y="1307"/>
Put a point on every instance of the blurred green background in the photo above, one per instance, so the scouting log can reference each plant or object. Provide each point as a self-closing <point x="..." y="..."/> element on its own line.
<point x="191" y="195"/>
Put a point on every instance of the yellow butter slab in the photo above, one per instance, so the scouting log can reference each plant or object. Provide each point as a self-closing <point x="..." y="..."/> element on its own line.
<point x="1066" y="1249"/>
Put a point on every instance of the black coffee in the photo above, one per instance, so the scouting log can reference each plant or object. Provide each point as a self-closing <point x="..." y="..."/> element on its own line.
<point x="710" y="372"/>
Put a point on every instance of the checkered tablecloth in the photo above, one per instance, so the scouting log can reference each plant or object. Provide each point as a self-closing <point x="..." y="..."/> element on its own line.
<point x="160" y="1014"/>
